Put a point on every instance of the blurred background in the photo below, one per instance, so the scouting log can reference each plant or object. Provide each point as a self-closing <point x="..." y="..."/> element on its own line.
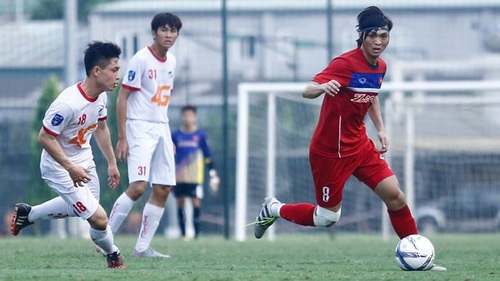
<point x="454" y="155"/>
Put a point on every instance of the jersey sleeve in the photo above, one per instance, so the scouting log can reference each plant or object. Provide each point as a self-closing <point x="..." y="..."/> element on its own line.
<point x="57" y="117"/>
<point x="174" y="137"/>
<point x="339" y="69"/>
<point x="133" y="76"/>
<point x="103" y="115"/>
<point x="205" y="148"/>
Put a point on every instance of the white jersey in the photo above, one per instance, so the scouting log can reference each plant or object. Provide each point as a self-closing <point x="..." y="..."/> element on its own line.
<point x="72" y="118"/>
<point x="151" y="81"/>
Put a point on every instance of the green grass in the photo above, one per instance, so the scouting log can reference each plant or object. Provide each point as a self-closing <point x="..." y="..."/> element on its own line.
<point x="300" y="257"/>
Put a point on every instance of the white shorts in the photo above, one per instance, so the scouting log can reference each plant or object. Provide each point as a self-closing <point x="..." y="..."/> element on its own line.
<point x="84" y="199"/>
<point x="151" y="153"/>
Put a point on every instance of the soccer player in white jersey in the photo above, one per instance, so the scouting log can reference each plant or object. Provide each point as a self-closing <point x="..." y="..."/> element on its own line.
<point x="67" y="164"/>
<point x="144" y="139"/>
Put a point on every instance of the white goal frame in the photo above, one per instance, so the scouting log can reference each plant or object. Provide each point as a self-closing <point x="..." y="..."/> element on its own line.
<point x="396" y="100"/>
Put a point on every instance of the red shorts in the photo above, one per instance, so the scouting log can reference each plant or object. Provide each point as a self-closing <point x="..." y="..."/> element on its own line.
<point x="331" y="173"/>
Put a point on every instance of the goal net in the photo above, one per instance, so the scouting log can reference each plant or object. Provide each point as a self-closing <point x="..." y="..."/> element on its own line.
<point x="444" y="148"/>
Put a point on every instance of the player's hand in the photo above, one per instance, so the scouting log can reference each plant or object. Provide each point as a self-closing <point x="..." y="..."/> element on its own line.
<point x="79" y="175"/>
<point x="214" y="181"/>
<point x="122" y="150"/>
<point x="331" y="87"/>
<point x="382" y="137"/>
<point x="113" y="176"/>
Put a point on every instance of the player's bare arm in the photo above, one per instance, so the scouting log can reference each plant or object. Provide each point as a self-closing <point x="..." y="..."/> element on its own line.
<point x="77" y="173"/>
<point x="314" y="89"/>
<point x="376" y="116"/>
<point x="121" y="108"/>
<point x="103" y="140"/>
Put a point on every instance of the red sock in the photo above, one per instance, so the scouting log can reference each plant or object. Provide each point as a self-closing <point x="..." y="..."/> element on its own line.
<point x="403" y="222"/>
<point x="301" y="213"/>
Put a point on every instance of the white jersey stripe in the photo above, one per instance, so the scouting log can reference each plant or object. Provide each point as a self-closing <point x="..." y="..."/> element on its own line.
<point x="364" y="90"/>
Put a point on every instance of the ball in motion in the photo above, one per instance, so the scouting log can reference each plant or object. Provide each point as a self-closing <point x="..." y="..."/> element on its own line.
<point x="414" y="252"/>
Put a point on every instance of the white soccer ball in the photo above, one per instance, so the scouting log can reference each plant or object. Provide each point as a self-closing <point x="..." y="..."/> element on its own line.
<point x="414" y="252"/>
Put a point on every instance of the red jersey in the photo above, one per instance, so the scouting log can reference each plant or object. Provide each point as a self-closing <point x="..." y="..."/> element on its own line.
<point x="341" y="129"/>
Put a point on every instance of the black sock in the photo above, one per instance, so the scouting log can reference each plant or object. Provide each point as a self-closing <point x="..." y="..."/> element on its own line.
<point x="196" y="220"/>
<point x="182" y="221"/>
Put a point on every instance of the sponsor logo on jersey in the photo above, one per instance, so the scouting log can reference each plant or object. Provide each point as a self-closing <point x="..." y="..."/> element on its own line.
<point x="362" y="98"/>
<point x="362" y="80"/>
<point x="131" y="75"/>
<point x="56" y="120"/>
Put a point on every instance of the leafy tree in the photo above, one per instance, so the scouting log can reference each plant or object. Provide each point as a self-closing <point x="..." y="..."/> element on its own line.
<point x="38" y="191"/>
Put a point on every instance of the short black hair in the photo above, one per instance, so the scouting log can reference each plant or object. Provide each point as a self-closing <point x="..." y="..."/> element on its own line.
<point x="371" y="18"/>
<point x="163" y="19"/>
<point x="189" y="108"/>
<point x="99" y="54"/>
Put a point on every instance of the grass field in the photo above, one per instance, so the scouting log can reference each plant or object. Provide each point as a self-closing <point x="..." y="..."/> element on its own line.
<point x="311" y="257"/>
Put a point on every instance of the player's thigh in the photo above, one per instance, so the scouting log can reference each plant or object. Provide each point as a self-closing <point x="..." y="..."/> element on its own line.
<point x="142" y="140"/>
<point x="81" y="198"/>
<point x="163" y="161"/>
<point x="330" y="175"/>
<point x="94" y="185"/>
<point x="372" y="168"/>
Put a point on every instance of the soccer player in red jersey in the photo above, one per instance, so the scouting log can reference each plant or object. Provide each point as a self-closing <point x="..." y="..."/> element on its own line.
<point x="340" y="146"/>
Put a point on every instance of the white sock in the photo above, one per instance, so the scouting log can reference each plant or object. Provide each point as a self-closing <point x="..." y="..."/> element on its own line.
<point x="104" y="239"/>
<point x="55" y="208"/>
<point x="151" y="217"/>
<point x="275" y="209"/>
<point x="120" y="211"/>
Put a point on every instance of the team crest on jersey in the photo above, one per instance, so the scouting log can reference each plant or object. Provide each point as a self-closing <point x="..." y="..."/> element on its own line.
<point x="170" y="74"/>
<point x="131" y="75"/>
<point x="56" y="120"/>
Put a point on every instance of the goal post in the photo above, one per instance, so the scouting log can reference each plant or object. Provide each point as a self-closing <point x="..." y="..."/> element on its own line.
<point x="271" y="151"/>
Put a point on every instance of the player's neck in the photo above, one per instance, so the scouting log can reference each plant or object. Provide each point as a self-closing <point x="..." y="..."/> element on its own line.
<point x="90" y="89"/>
<point x="189" y="129"/>
<point x="372" y="60"/>
<point x="159" y="51"/>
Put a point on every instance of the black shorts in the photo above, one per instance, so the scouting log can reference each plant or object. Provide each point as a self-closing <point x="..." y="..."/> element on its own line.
<point x="186" y="190"/>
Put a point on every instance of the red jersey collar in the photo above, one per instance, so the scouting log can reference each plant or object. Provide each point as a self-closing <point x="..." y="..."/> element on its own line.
<point x="156" y="57"/>
<point x="79" y="86"/>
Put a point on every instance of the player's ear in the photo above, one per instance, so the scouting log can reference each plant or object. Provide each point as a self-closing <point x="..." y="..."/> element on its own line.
<point x="96" y="70"/>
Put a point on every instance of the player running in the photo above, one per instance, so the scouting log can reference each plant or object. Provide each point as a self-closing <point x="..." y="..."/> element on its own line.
<point x="192" y="153"/>
<point x="67" y="164"/>
<point x="340" y="146"/>
<point x="144" y="139"/>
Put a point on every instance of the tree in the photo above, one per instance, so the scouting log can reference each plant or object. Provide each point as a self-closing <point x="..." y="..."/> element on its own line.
<point x="38" y="190"/>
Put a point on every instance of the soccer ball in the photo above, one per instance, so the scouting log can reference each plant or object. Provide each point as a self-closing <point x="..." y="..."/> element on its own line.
<point x="414" y="252"/>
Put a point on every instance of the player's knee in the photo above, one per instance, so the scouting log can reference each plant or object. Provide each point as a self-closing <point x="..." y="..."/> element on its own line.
<point x="161" y="191"/>
<point x="136" y="189"/>
<point x="397" y="201"/>
<point x="325" y="218"/>
<point x="98" y="220"/>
